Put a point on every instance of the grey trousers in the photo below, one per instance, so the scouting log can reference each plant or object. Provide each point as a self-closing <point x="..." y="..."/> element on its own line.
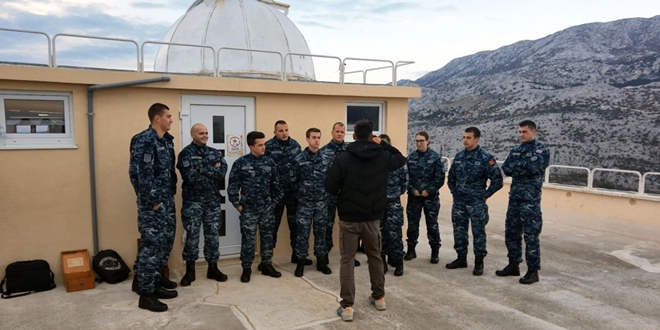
<point x="349" y="236"/>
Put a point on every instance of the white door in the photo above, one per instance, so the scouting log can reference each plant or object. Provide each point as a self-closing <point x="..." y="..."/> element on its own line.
<point x="228" y="120"/>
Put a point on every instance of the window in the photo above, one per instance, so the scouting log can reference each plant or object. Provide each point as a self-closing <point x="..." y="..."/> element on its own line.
<point x="35" y="120"/>
<point x="372" y="111"/>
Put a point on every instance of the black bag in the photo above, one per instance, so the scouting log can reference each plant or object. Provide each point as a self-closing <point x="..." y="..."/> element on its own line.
<point x="110" y="266"/>
<point x="25" y="277"/>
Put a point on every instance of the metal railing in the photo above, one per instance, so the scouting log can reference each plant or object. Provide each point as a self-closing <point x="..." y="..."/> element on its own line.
<point x="54" y="54"/>
<point x="50" y="50"/>
<point x="215" y="60"/>
<point x="547" y="171"/>
<point x="642" y="187"/>
<point x="139" y="60"/>
<point x="639" y="176"/>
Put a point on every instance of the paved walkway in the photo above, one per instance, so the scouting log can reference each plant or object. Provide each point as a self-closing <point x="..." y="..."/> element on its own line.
<point x="597" y="274"/>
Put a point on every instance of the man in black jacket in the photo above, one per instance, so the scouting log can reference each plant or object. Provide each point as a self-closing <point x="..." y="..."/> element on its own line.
<point x="359" y="178"/>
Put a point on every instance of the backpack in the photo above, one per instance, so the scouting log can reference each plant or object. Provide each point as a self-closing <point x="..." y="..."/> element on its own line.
<point x="110" y="267"/>
<point x="26" y="277"/>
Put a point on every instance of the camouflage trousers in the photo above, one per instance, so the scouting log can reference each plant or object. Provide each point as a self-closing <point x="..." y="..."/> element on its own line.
<point x="524" y="219"/>
<point x="391" y="230"/>
<point x="332" y="210"/>
<point x="431" y="207"/>
<point x="462" y="211"/>
<point x="251" y="220"/>
<point x="207" y="215"/>
<point x="157" y="229"/>
<point x="291" y="203"/>
<point x="311" y="214"/>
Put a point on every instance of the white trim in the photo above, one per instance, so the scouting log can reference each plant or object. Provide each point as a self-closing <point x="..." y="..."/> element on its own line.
<point x="381" y="116"/>
<point x="38" y="141"/>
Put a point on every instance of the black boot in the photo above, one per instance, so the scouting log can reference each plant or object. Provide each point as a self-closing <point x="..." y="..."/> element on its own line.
<point x="530" y="277"/>
<point x="151" y="303"/>
<point x="245" y="276"/>
<point x="162" y="293"/>
<point x="390" y="260"/>
<point x="384" y="265"/>
<point x="410" y="255"/>
<point x="189" y="277"/>
<point x="434" y="255"/>
<point x="269" y="270"/>
<point x="135" y="287"/>
<point x="509" y="270"/>
<point x="478" y="267"/>
<point x="166" y="283"/>
<point x="460" y="262"/>
<point x="300" y="269"/>
<point x="398" y="271"/>
<point x="214" y="273"/>
<point x="322" y="265"/>
<point x="294" y="259"/>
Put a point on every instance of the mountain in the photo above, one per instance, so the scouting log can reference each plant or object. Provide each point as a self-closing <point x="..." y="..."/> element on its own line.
<point x="593" y="90"/>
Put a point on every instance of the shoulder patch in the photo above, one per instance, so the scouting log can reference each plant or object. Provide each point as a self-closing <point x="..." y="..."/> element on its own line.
<point x="491" y="162"/>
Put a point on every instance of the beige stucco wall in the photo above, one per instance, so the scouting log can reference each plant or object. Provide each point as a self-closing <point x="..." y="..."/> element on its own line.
<point x="45" y="200"/>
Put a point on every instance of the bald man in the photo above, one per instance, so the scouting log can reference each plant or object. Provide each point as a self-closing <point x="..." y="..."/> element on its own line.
<point x="203" y="170"/>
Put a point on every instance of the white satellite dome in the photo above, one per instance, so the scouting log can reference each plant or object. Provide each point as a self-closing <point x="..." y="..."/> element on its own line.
<point x="249" y="24"/>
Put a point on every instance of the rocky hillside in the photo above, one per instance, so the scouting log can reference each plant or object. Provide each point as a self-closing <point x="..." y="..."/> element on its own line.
<point x="593" y="89"/>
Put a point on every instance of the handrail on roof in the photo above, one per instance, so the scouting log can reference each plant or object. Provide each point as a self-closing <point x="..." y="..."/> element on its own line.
<point x="137" y="47"/>
<point x="282" y="59"/>
<point x="52" y="57"/>
<point x="341" y="63"/>
<point x="215" y="59"/>
<point x="50" y="51"/>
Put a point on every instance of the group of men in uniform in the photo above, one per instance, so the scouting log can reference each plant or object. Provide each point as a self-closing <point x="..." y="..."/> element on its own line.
<point x="277" y="174"/>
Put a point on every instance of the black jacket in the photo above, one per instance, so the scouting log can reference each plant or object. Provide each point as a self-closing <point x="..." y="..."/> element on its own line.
<point x="359" y="177"/>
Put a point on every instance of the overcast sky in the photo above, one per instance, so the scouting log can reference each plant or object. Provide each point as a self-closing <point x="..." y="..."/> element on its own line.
<point x="429" y="32"/>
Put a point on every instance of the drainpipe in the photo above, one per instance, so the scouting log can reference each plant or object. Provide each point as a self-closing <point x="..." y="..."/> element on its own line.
<point x="90" y="136"/>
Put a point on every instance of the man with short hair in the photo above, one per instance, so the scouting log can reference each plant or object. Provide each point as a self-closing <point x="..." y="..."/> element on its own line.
<point x="309" y="171"/>
<point x="526" y="164"/>
<point x="359" y="178"/>
<point x="203" y="172"/>
<point x="427" y="175"/>
<point x="254" y="190"/>
<point x="335" y="147"/>
<point x="467" y="179"/>
<point x="283" y="149"/>
<point x="153" y="177"/>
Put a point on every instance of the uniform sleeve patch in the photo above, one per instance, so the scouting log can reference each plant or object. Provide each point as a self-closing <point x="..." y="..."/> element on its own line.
<point x="491" y="162"/>
<point x="147" y="158"/>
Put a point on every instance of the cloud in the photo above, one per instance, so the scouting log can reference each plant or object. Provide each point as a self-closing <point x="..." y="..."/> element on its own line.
<point x="148" y="5"/>
<point x="313" y="23"/>
<point x="84" y="20"/>
<point x="394" y="7"/>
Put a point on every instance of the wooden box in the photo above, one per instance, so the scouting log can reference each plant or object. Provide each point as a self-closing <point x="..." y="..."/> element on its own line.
<point x="77" y="272"/>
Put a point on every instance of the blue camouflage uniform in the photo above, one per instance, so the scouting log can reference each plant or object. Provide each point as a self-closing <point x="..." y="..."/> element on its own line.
<point x="153" y="177"/>
<point x="202" y="181"/>
<point x="467" y="180"/>
<point x="254" y="185"/>
<point x="332" y="150"/>
<point x="526" y="164"/>
<point x="391" y="226"/>
<point x="283" y="152"/>
<point x="309" y="171"/>
<point x="426" y="172"/>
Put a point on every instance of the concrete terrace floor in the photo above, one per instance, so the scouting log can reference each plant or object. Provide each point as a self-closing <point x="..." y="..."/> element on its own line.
<point x="597" y="274"/>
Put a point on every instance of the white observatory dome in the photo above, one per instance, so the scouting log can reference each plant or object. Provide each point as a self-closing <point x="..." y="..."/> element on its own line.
<point x="250" y="24"/>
